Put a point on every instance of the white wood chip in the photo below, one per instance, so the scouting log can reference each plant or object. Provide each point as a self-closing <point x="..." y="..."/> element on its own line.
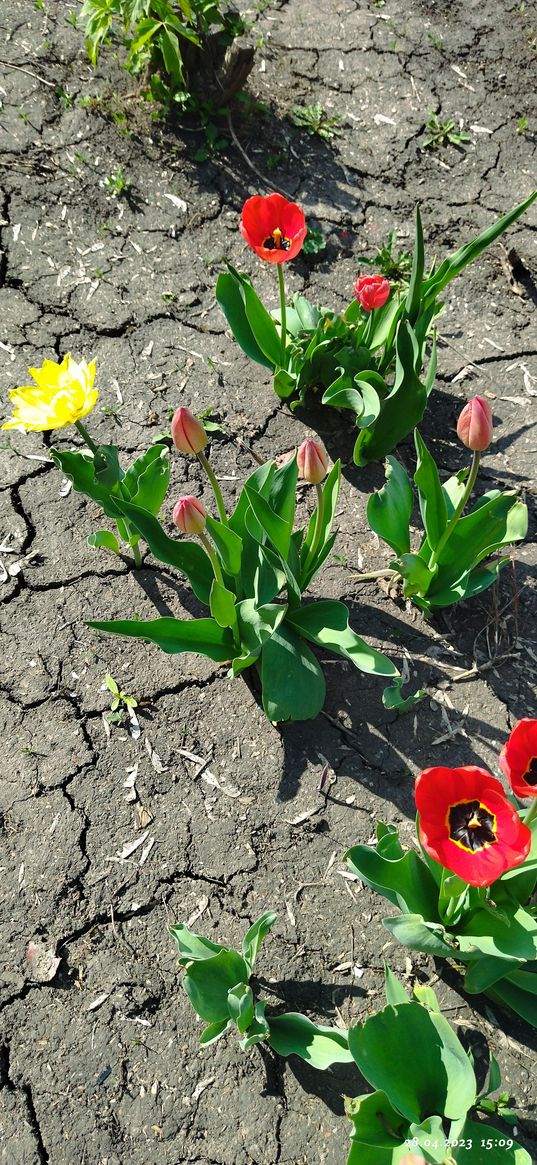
<point x="147" y="850"/>
<point x="178" y="202"/>
<point x="130" y="846"/>
<point x="98" y="1001"/>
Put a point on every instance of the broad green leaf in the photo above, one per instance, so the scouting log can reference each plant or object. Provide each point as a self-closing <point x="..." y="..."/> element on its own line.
<point x="483" y="972"/>
<point x="413" y="299"/>
<point x="255" y="935"/>
<point x="257" y="624"/>
<point x="213" y="1031"/>
<point x="231" y="301"/>
<point x="262" y="325"/>
<point x="393" y="989"/>
<point x="431" y="1139"/>
<point x="395" y="702"/>
<point x="372" y="404"/>
<point x="202" y="636"/>
<point x="222" y="604"/>
<point x="431" y="496"/>
<point x="390" y="509"/>
<point x="258" y="1030"/>
<point x="326" y="623"/>
<point x="188" y="557"/>
<point x="240" y="1001"/>
<point x="416" y="573"/>
<point x="104" y="539"/>
<point x="280" y="563"/>
<point x="515" y="939"/>
<point x="291" y="678"/>
<point x="260" y="480"/>
<point x="402" y="410"/>
<point x="426" y="996"/>
<point x="498" y="522"/>
<point x="405" y="881"/>
<point x="413" y="931"/>
<point x="108" y="471"/>
<point x="376" y="1122"/>
<point x="294" y="1034"/>
<point x="208" y="983"/>
<point x="284" y="383"/>
<point x="80" y="470"/>
<point x="440" y="1080"/>
<point x="193" y="947"/>
<point x="454" y="264"/>
<point x="146" y="481"/>
<point x="169" y="46"/>
<point x="228" y="545"/>
<point x="512" y="994"/>
<point x="342" y="394"/>
<point x="478" y="1141"/>
<point x="282" y="497"/>
<point x="308" y="315"/>
<point x="275" y="528"/>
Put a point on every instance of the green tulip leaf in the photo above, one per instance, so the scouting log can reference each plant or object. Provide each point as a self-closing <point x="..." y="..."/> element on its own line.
<point x="146" y="481"/>
<point x="104" y="539"/>
<point x="228" y="545"/>
<point x="440" y="1080"/>
<point x="326" y="623"/>
<point x="405" y="881"/>
<point x="240" y="1001"/>
<point x="431" y="496"/>
<point x="222" y="604"/>
<point x="231" y="300"/>
<point x="376" y="1122"/>
<point x="477" y="1141"/>
<point x="255" y="935"/>
<point x="413" y="931"/>
<point x="193" y="947"/>
<point x="390" y="509"/>
<point x="213" y="1031"/>
<point x="295" y="1035"/>
<point x="201" y="636"/>
<point x="402" y="409"/>
<point x="292" y="680"/>
<point x="208" y="984"/>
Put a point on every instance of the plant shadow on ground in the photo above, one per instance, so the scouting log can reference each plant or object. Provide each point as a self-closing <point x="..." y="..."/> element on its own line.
<point x="263" y="148"/>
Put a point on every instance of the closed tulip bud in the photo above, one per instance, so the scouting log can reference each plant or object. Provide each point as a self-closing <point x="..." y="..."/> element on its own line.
<point x="371" y="291"/>
<point x="188" y="434"/>
<point x="312" y="462"/>
<point x="189" y="515"/>
<point x="474" y="426"/>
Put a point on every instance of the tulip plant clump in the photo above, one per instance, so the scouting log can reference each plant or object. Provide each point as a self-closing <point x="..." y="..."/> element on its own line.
<point x="446" y="567"/>
<point x="371" y="358"/>
<point x="62" y="395"/>
<point x="422" y="1104"/>
<point x="468" y="896"/>
<point x="245" y="561"/>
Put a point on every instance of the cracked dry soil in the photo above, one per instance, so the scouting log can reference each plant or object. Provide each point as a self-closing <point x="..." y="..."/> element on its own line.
<point x="100" y="1066"/>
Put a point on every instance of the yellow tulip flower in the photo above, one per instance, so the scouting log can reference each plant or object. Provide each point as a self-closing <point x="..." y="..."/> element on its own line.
<point x="62" y="395"/>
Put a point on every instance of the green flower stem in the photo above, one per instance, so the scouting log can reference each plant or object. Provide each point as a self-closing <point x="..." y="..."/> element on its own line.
<point x="136" y="554"/>
<point x="531" y="816"/>
<point x="455" y="517"/>
<point x="212" y="555"/>
<point x="318" y="527"/>
<point x="86" y="437"/>
<point x="214" y="486"/>
<point x="283" y="311"/>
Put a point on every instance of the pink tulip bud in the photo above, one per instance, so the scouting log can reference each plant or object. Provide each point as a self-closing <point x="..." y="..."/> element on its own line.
<point x="474" y="426"/>
<point x="189" y="515"/>
<point x="312" y="462"/>
<point x="371" y="291"/>
<point x="188" y="434"/>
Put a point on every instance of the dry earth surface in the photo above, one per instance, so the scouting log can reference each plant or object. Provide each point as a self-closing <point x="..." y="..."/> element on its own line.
<point x="100" y="1065"/>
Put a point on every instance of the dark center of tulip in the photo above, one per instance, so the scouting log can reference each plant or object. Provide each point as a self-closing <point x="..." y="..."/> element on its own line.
<point x="530" y="776"/>
<point x="277" y="241"/>
<point x="471" y="825"/>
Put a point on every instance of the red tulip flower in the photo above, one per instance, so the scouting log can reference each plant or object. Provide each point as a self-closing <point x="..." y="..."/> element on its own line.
<point x="312" y="462"/>
<point x="188" y="434"/>
<point x="518" y="759"/>
<point x="189" y="515"/>
<point x="467" y="824"/>
<point x="273" y="227"/>
<point x="474" y="426"/>
<point x="371" y="291"/>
